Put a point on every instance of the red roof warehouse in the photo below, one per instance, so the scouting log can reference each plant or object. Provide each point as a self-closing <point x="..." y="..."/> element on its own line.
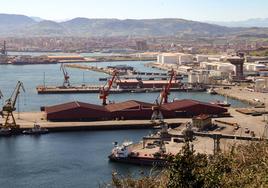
<point x="130" y="110"/>
<point x="78" y="111"/>
<point x="189" y="108"/>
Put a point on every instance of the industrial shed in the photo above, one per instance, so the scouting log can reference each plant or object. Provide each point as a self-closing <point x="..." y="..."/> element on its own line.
<point x="130" y="110"/>
<point x="76" y="111"/>
<point x="189" y="108"/>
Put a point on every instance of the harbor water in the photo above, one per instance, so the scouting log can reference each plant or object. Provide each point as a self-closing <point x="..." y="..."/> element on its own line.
<point x="34" y="75"/>
<point x="55" y="160"/>
<point x="77" y="159"/>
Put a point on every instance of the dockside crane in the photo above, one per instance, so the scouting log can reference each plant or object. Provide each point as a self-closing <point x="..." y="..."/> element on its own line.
<point x="104" y="91"/>
<point x="66" y="82"/>
<point x="157" y="114"/>
<point x="166" y="91"/>
<point x="9" y="107"/>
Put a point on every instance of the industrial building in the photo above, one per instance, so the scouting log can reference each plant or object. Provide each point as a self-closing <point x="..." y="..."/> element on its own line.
<point x="189" y="108"/>
<point x="216" y="65"/>
<point x="261" y="84"/>
<point x="202" y="122"/>
<point x="167" y="58"/>
<point x="130" y="110"/>
<point x="185" y="59"/>
<point x="202" y="78"/>
<point x="254" y="67"/>
<point x="174" y="58"/>
<point x="78" y="111"/>
<point x="201" y="58"/>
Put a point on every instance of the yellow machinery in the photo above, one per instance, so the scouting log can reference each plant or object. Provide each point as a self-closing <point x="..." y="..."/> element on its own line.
<point x="9" y="107"/>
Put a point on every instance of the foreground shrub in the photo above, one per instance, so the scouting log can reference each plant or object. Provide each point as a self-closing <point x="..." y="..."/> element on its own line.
<point x="243" y="166"/>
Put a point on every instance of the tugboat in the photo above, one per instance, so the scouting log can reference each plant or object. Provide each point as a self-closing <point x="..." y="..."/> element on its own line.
<point x="36" y="130"/>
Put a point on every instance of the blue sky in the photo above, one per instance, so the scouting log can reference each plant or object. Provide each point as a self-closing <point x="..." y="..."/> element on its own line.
<point x="199" y="10"/>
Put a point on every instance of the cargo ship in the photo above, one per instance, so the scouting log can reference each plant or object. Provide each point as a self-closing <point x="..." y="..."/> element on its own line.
<point x="30" y="60"/>
<point x="72" y="89"/>
<point x="120" y="86"/>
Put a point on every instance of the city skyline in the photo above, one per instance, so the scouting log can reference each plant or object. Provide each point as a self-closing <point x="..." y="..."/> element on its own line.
<point x="191" y="10"/>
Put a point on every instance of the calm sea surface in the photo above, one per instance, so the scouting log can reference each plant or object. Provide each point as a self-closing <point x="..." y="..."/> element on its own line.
<point x="77" y="159"/>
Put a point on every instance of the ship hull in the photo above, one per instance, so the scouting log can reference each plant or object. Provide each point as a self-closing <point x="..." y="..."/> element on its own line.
<point x="140" y="161"/>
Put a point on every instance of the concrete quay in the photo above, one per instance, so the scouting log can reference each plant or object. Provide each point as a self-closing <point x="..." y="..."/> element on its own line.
<point x="27" y="119"/>
<point x="253" y="123"/>
<point x="243" y="94"/>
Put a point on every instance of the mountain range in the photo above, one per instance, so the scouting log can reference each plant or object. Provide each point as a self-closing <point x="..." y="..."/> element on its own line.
<point x="254" y="22"/>
<point x="21" y="26"/>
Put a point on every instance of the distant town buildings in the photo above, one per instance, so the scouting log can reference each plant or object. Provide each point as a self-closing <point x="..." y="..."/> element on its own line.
<point x="141" y="45"/>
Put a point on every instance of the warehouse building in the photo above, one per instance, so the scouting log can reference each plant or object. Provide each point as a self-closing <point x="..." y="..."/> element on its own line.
<point x="130" y="110"/>
<point x="78" y="111"/>
<point x="190" y="108"/>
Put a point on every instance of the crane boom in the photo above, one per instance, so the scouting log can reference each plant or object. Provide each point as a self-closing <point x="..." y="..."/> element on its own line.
<point x="9" y="106"/>
<point x="166" y="91"/>
<point x="157" y="114"/>
<point x="16" y="93"/>
<point x="66" y="82"/>
<point x="104" y="93"/>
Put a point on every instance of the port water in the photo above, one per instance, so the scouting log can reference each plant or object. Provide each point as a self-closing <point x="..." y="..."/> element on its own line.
<point x="33" y="75"/>
<point x="77" y="159"/>
<point x="73" y="159"/>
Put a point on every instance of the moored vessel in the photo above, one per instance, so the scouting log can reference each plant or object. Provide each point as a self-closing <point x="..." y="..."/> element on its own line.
<point x="36" y="130"/>
<point x="5" y="132"/>
<point x="124" y="154"/>
<point x="211" y="91"/>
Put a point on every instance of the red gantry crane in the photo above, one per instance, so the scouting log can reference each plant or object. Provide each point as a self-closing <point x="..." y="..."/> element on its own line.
<point x="166" y="91"/>
<point x="66" y="82"/>
<point x="163" y="98"/>
<point x="104" y="92"/>
<point x="9" y="107"/>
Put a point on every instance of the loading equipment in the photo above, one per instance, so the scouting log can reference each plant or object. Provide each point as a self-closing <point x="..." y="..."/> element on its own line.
<point x="9" y="107"/>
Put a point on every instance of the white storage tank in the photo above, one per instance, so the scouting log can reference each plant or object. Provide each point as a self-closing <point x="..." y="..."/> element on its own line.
<point x="226" y="67"/>
<point x="159" y="58"/>
<point x="192" y="78"/>
<point x="185" y="59"/>
<point x="169" y="58"/>
<point x="201" y="58"/>
<point x="261" y="85"/>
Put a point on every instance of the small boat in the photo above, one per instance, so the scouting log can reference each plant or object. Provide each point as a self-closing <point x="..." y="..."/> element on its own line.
<point x="211" y="91"/>
<point x="138" y="90"/>
<point x="222" y="103"/>
<point x="5" y="132"/>
<point x="123" y="154"/>
<point x="37" y="129"/>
